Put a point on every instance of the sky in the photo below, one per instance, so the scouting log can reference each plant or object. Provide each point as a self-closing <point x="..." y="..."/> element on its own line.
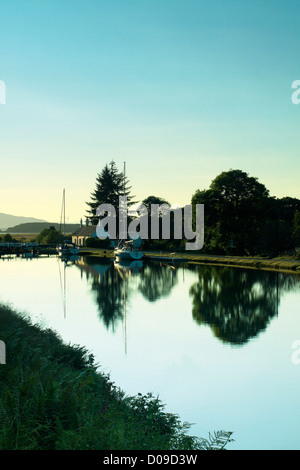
<point x="179" y="90"/>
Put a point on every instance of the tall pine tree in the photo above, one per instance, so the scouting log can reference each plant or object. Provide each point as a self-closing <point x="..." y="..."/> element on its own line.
<point x="110" y="184"/>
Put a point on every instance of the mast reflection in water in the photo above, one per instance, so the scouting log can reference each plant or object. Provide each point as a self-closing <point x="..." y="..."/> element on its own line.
<point x="215" y="343"/>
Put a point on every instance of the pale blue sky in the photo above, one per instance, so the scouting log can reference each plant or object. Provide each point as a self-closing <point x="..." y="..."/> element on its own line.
<point x="180" y="90"/>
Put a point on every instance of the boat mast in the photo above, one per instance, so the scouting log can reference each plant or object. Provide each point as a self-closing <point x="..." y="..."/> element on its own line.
<point x="124" y="179"/>
<point x="62" y="219"/>
<point x="64" y="201"/>
<point x="122" y="210"/>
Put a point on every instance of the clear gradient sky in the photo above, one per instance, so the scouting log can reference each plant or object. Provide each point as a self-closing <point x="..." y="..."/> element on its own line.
<point x="179" y="89"/>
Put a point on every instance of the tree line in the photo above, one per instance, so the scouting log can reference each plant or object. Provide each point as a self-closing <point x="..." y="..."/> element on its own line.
<point x="240" y="216"/>
<point x="48" y="236"/>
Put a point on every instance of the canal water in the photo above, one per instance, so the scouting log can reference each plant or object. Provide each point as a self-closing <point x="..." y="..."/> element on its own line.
<point x="218" y="345"/>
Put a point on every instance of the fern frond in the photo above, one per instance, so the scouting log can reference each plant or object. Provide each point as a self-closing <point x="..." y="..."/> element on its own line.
<point x="216" y="441"/>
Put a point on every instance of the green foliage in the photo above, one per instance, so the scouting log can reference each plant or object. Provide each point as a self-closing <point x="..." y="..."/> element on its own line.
<point x="288" y="207"/>
<point x="53" y="397"/>
<point x="7" y="238"/>
<point x="153" y="200"/>
<point x="97" y="243"/>
<point x="217" y="440"/>
<point x="164" y="245"/>
<point x="296" y="229"/>
<point x="235" y="187"/>
<point x="49" y="236"/>
<point x="110" y="184"/>
<point x="242" y="219"/>
<point x="170" y="244"/>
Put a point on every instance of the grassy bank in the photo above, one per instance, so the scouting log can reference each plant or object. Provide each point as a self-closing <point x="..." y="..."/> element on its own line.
<point x="283" y="263"/>
<point x="54" y="397"/>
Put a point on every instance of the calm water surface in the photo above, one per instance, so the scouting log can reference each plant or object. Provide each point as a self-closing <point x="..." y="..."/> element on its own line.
<point x="214" y="343"/>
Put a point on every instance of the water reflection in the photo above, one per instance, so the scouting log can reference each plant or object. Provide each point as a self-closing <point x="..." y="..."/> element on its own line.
<point x="111" y="283"/>
<point x="107" y="287"/>
<point x="238" y="304"/>
<point x="170" y="349"/>
<point x="157" y="281"/>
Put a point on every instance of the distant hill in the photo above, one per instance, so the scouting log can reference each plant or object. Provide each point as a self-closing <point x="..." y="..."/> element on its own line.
<point x="7" y="220"/>
<point x="37" y="227"/>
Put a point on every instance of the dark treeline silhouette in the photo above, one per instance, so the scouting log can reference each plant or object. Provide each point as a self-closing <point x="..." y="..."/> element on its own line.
<point x="241" y="218"/>
<point x="110" y="185"/>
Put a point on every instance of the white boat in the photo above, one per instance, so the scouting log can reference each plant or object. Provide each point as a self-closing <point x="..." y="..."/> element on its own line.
<point x="66" y="248"/>
<point x="128" y="250"/>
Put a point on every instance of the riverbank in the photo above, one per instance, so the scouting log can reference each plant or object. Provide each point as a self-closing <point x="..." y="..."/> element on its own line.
<point x="289" y="265"/>
<point x="53" y="397"/>
<point x="282" y="264"/>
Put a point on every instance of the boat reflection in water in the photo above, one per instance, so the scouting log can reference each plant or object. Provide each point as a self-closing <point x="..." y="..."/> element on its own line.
<point x="127" y="268"/>
<point x="67" y="260"/>
<point x="237" y="304"/>
<point x="218" y="336"/>
<point x="65" y="248"/>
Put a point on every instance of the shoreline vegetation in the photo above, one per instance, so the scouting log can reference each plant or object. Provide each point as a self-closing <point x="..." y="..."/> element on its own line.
<point x="54" y="397"/>
<point x="282" y="263"/>
<point x="289" y="264"/>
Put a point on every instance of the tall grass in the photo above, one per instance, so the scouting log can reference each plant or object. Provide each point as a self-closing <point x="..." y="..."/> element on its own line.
<point x="53" y="397"/>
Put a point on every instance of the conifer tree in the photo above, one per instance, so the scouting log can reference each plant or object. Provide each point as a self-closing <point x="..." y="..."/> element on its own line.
<point x="110" y="184"/>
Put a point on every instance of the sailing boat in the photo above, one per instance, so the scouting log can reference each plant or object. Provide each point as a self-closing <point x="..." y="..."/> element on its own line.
<point x="66" y="248"/>
<point x="128" y="249"/>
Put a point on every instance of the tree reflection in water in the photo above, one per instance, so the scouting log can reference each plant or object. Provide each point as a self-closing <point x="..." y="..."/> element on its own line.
<point x="237" y="303"/>
<point x="110" y="283"/>
<point x="157" y="281"/>
<point x="107" y="287"/>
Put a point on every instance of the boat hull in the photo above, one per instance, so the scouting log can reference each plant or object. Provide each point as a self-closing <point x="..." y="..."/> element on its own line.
<point x="67" y="251"/>
<point x="129" y="255"/>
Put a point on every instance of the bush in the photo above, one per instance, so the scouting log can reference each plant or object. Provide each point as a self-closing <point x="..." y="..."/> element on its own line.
<point x="9" y="239"/>
<point x="97" y="243"/>
<point x="49" y="236"/>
